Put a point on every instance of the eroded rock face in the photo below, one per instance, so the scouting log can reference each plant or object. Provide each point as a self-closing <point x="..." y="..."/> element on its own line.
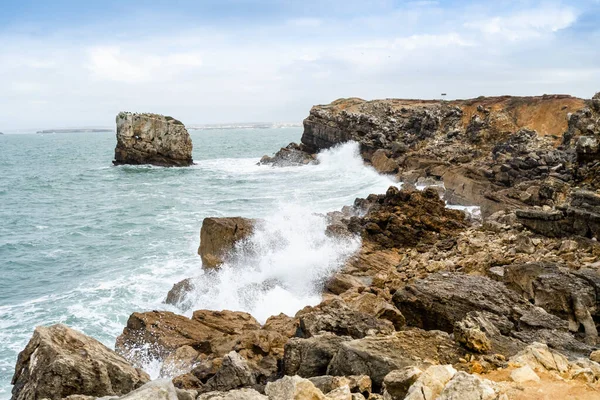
<point x="152" y="139"/>
<point x="59" y="361"/>
<point x="218" y="237"/>
<point x="376" y="356"/>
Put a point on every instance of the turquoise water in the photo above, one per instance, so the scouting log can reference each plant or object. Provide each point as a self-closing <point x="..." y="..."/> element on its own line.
<point x="86" y="244"/>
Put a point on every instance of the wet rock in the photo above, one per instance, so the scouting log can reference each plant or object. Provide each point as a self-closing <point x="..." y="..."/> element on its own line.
<point x="376" y="356"/>
<point x="218" y="237"/>
<point x="156" y="334"/>
<point x="289" y="156"/>
<point x="178" y="293"/>
<point x="59" y="361"/>
<point x="152" y="139"/>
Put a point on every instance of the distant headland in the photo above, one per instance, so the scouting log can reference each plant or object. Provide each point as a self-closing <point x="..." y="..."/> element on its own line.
<point x="75" y="130"/>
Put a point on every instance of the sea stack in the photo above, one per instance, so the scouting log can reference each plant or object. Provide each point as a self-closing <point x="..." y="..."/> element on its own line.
<point x="152" y="139"/>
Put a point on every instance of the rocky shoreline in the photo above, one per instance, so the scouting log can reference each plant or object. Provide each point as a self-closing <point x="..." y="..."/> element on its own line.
<point x="436" y="304"/>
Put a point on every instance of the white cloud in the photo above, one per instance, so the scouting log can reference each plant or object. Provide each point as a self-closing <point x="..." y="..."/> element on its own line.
<point x="526" y="24"/>
<point x="132" y="66"/>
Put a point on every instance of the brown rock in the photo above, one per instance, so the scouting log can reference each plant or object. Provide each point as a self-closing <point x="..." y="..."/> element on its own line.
<point x="227" y="322"/>
<point x="152" y="139"/>
<point x="218" y="237"/>
<point x="382" y="163"/>
<point x="59" y="361"/>
<point x="376" y="356"/>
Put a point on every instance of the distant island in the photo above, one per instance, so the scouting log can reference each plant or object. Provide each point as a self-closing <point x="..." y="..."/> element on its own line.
<point x="75" y="130"/>
<point x="248" y="125"/>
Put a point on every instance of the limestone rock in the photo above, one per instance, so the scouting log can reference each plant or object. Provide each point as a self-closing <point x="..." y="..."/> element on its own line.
<point x="227" y="322"/>
<point x="397" y="382"/>
<point x="218" y="237"/>
<point x="442" y="299"/>
<point x="310" y="357"/>
<point x="382" y="163"/>
<point x="291" y="155"/>
<point x="376" y="356"/>
<point x="293" y="388"/>
<point x="155" y="334"/>
<point x="340" y="393"/>
<point x="524" y="374"/>
<point x="464" y="386"/>
<point x="238" y="394"/>
<point x="431" y="383"/>
<point x="354" y="383"/>
<point x="540" y="358"/>
<point x="336" y="317"/>
<point x="160" y="389"/>
<point x="177" y="294"/>
<point x="234" y="373"/>
<point x="152" y="139"/>
<point x="59" y="361"/>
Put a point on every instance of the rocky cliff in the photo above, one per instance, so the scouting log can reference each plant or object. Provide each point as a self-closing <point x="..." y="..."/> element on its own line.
<point x="434" y="305"/>
<point x="152" y="139"/>
<point x="495" y="152"/>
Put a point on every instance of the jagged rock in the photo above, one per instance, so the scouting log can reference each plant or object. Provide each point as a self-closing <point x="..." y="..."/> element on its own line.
<point x="540" y="358"/>
<point x="595" y="356"/>
<point x="293" y="388"/>
<point x="218" y="237"/>
<point x="341" y="393"/>
<point x="336" y="317"/>
<point x="376" y="356"/>
<point x="234" y="373"/>
<point x="397" y="382"/>
<point x="160" y="389"/>
<point x="382" y="163"/>
<point x="59" y="361"/>
<point x="431" y="383"/>
<point x="355" y="384"/>
<point x="558" y="292"/>
<point x="238" y="394"/>
<point x="406" y="218"/>
<point x="291" y="155"/>
<point x="377" y="305"/>
<point x="464" y="386"/>
<point x="180" y="361"/>
<point x="339" y="283"/>
<point x="152" y="139"/>
<point x="177" y="294"/>
<point x="156" y="334"/>
<point x="226" y="322"/>
<point x="442" y="299"/>
<point x="471" y="336"/>
<point x="285" y="325"/>
<point x="310" y="357"/>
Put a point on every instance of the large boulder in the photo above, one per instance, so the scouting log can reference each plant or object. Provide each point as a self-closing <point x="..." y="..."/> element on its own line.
<point x="376" y="356"/>
<point x="59" y="362"/>
<point x="336" y="317"/>
<point x="310" y="357"/>
<point x="152" y="139"/>
<point x="218" y="237"/>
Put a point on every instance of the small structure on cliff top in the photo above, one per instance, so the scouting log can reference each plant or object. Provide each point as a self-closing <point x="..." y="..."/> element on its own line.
<point x="152" y="139"/>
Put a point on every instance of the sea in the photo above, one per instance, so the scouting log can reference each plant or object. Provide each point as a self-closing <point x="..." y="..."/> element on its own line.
<point x="85" y="243"/>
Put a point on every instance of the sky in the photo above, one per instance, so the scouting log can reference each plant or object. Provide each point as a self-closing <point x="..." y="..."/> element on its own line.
<point x="72" y="63"/>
